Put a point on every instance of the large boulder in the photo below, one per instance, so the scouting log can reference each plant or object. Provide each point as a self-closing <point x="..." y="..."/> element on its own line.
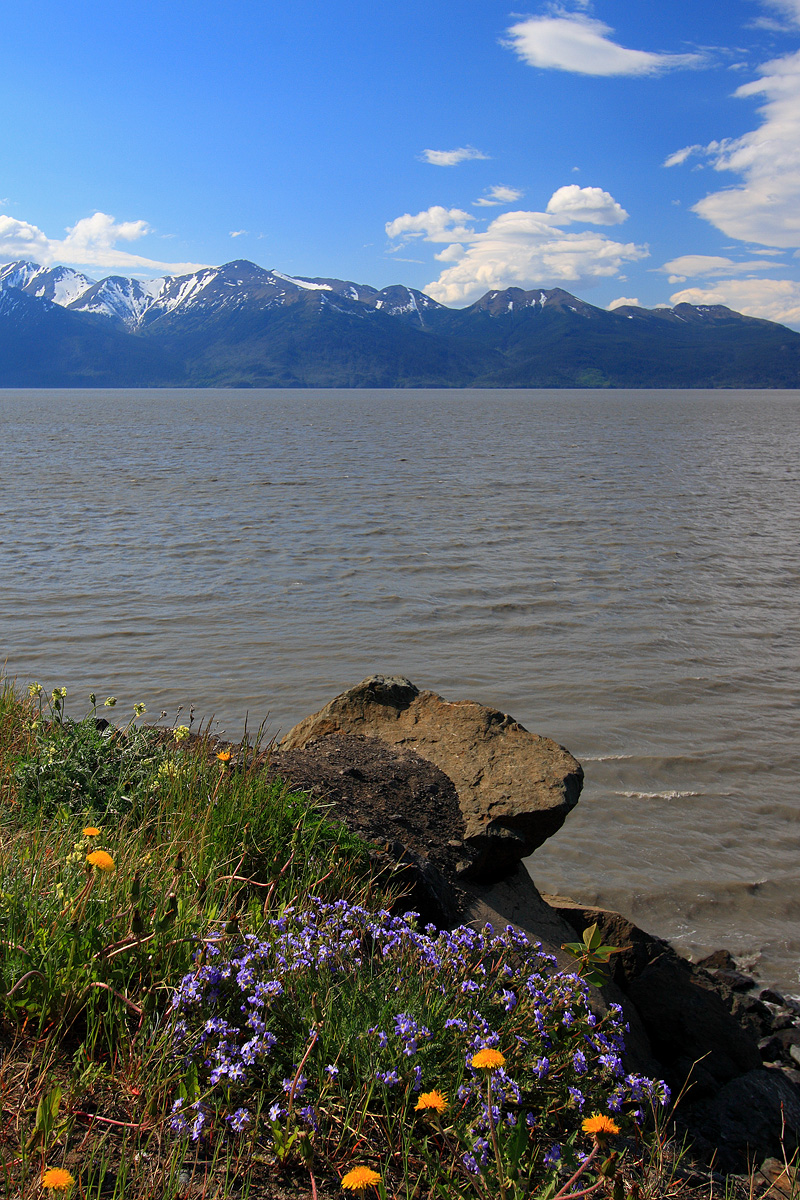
<point x="408" y="809"/>
<point x="514" y="788"/>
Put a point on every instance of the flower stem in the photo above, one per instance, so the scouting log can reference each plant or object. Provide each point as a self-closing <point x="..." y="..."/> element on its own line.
<point x="493" y="1131"/>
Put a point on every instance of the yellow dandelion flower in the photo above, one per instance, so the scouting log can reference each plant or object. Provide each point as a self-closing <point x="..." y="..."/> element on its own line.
<point x="102" y="860"/>
<point x="437" y="1101"/>
<point x="57" y="1179"/>
<point x="224" y="756"/>
<point x="360" y="1178"/>
<point x="488" y="1059"/>
<point x="599" y="1125"/>
<point x="91" y="831"/>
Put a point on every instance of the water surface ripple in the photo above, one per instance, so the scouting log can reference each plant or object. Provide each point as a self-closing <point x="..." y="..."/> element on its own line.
<point x="618" y="570"/>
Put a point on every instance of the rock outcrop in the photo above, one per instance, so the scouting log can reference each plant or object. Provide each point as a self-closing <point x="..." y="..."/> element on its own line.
<point x="453" y="796"/>
<point x="515" y="788"/>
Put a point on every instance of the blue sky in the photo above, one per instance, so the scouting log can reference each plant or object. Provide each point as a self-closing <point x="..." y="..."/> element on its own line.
<point x="647" y="151"/>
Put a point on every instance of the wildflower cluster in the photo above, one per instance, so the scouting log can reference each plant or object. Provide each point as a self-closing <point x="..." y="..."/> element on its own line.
<point x="336" y="1010"/>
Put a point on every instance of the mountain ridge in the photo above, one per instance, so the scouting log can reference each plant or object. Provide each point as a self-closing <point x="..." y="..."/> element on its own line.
<point x="242" y="325"/>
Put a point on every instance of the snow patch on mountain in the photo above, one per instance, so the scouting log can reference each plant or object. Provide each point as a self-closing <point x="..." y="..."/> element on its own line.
<point x="305" y="283"/>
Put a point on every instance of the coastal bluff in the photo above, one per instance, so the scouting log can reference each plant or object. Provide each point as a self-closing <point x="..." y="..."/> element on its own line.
<point x="454" y="795"/>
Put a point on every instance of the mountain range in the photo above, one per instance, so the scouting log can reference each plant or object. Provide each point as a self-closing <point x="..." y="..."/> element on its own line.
<point x="240" y="325"/>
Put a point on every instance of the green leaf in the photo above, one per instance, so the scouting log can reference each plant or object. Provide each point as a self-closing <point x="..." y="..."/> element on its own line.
<point x="592" y="937"/>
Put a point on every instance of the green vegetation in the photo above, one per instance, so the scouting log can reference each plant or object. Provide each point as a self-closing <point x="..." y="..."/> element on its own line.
<point x="207" y="990"/>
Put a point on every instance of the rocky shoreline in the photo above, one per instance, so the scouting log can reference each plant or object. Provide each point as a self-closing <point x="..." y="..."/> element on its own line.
<point x="456" y="795"/>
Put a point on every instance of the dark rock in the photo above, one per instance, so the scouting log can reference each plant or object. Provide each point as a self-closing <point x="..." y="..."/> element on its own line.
<point x="691" y="1030"/>
<point x="737" y="981"/>
<point x="771" y="1049"/>
<point x="689" y="1023"/>
<point x="743" y="1122"/>
<point x="718" y="960"/>
<point x="788" y="1037"/>
<point x="400" y="802"/>
<point x="770" y="996"/>
<point x="751" y="1012"/>
<point x="514" y="788"/>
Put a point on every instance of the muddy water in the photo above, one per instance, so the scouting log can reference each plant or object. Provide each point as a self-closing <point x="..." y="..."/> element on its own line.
<point x="618" y="570"/>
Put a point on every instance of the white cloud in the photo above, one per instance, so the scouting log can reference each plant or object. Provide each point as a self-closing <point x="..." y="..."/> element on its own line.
<point x="91" y="242"/>
<point x="435" y="224"/>
<point x="711" y="265"/>
<point x="589" y="204"/>
<point x="772" y="299"/>
<point x="234" y="233"/>
<point x="680" y="156"/>
<point x="575" y="42"/>
<point x="790" y="9"/>
<point x="498" y="195"/>
<point x="451" y="158"/>
<point x="765" y="207"/>
<point x="618" y="303"/>
<point x="524" y="249"/>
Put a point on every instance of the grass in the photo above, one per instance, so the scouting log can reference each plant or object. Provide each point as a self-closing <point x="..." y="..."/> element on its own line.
<point x="207" y="989"/>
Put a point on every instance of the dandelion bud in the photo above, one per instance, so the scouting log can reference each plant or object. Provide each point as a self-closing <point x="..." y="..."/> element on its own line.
<point x="136" y="887"/>
<point x="172" y="908"/>
<point x="137" y="924"/>
<point x="609" y="1167"/>
<point x="92" y="699"/>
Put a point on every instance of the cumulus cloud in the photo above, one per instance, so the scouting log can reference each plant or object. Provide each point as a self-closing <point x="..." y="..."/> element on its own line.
<point x="525" y="249"/>
<point x="711" y="265"/>
<point x="436" y="224"/>
<point x="589" y="204"/>
<point x="772" y="299"/>
<point x="765" y="206"/>
<point x="91" y="242"/>
<point x="621" y="300"/>
<point x="498" y="195"/>
<point x="451" y="158"/>
<point x="579" y="43"/>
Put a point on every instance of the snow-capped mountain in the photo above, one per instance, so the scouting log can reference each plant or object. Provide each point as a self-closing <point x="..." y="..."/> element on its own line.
<point x="514" y="299"/>
<point x="122" y="300"/>
<point x="241" y="325"/>
<point x="133" y="303"/>
<point x="61" y="285"/>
